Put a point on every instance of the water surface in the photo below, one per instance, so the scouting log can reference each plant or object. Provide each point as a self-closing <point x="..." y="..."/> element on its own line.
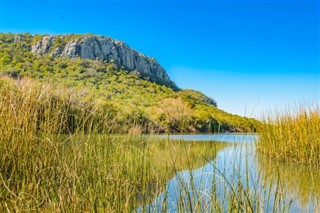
<point x="231" y="138"/>
<point x="271" y="186"/>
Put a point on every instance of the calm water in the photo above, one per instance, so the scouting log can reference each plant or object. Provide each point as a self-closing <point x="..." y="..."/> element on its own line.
<point x="232" y="138"/>
<point x="299" y="186"/>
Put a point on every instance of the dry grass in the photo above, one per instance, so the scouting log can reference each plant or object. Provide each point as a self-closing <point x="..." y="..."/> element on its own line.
<point x="293" y="137"/>
<point x="59" y="154"/>
<point x="54" y="156"/>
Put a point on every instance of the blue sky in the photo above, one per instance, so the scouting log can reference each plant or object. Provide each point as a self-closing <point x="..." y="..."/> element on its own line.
<point x="248" y="55"/>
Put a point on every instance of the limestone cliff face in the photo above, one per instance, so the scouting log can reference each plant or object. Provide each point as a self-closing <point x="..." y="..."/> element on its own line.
<point x="102" y="48"/>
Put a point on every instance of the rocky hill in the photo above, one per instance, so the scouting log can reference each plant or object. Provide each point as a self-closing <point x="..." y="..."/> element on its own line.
<point x="101" y="73"/>
<point x="100" y="48"/>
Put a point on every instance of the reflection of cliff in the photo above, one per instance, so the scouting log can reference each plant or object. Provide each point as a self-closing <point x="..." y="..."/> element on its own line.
<point x="169" y="157"/>
<point x="303" y="182"/>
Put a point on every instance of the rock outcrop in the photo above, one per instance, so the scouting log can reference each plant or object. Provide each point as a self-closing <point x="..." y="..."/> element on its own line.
<point x="105" y="49"/>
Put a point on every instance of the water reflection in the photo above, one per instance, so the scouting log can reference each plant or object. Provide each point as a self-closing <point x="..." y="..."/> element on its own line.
<point x="237" y="174"/>
<point x="167" y="157"/>
<point x="232" y="138"/>
<point x="300" y="183"/>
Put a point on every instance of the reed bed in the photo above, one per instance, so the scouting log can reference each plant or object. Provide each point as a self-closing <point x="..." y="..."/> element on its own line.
<point x="293" y="136"/>
<point x="59" y="153"/>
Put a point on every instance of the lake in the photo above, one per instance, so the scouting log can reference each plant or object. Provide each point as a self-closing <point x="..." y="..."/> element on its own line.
<point x="238" y="173"/>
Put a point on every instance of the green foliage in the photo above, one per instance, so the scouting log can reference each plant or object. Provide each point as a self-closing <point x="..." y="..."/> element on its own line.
<point x="58" y="42"/>
<point x="5" y="59"/>
<point x="195" y="97"/>
<point x="36" y="38"/>
<point x="128" y="92"/>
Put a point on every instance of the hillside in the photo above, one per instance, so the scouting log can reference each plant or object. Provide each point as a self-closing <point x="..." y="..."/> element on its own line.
<point x="104" y="73"/>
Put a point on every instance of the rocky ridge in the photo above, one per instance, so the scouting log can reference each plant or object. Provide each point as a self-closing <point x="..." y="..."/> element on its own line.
<point x="105" y="49"/>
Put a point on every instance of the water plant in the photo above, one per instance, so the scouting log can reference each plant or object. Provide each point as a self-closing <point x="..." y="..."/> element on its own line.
<point x="293" y="136"/>
<point x="59" y="153"/>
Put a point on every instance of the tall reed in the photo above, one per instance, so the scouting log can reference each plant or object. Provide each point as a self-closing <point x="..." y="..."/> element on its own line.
<point x="59" y="153"/>
<point x="293" y="136"/>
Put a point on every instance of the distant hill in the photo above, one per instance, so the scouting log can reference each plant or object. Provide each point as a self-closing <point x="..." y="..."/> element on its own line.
<point x="101" y="69"/>
<point x="100" y="48"/>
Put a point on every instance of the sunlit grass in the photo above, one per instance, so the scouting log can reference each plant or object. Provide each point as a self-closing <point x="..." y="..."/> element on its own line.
<point x="59" y="154"/>
<point x="293" y="136"/>
<point x="54" y="156"/>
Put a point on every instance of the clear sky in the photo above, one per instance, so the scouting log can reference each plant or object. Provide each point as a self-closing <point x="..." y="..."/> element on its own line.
<point x="248" y="55"/>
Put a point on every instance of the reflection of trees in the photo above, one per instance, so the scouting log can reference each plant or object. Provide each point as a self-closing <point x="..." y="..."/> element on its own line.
<point x="166" y="158"/>
<point x="303" y="182"/>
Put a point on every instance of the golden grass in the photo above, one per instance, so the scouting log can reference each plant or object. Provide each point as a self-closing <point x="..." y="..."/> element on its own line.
<point x="59" y="154"/>
<point x="54" y="157"/>
<point x="292" y="137"/>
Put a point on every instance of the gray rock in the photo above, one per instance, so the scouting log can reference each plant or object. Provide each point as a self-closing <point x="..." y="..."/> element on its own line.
<point x="43" y="46"/>
<point x="18" y="37"/>
<point x="104" y="48"/>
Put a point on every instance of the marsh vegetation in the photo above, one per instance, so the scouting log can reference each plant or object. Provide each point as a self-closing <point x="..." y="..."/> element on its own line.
<point x="292" y="136"/>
